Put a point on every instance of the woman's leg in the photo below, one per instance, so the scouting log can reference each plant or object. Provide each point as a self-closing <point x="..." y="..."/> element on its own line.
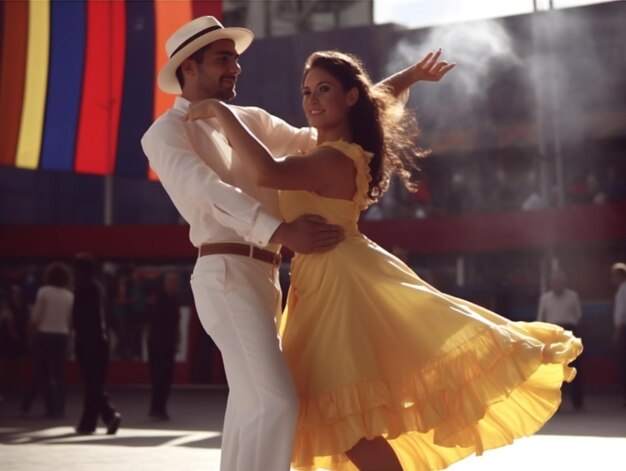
<point x="57" y="359"/>
<point x="374" y="455"/>
<point x="43" y="365"/>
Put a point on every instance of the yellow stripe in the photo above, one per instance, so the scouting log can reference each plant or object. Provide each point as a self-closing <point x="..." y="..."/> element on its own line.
<point x="31" y="125"/>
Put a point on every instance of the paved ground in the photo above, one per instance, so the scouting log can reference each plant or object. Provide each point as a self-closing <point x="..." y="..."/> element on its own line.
<point x="594" y="439"/>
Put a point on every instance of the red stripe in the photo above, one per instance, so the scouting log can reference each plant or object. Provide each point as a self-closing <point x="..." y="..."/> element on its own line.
<point x="102" y="87"/>
<point x="208" y="7"/>
<point x="469" y="233"/>
<point x="575" y="226"/>
<point x="14" y="37"/>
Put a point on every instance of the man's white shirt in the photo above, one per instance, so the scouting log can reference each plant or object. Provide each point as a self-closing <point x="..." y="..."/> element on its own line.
<point x="206" y="180"/>
<point x="560" y="309"/>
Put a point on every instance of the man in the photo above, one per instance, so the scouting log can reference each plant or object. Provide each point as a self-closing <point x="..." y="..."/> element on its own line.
<point x="92" y="347"/>
<point x="561" y="306"/>
<point x="235" y="281"/>
<point x="618" y="276"/>
<point x="163" y="340"/>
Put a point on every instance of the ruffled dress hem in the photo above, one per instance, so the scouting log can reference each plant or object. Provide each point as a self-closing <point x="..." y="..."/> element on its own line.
<point x="497" y="386"/>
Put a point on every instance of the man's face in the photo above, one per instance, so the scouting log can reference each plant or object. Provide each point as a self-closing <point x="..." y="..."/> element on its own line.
<point x="216" y="75"/>
<point x="558" y="285"/>
<point x="617" y="277"/>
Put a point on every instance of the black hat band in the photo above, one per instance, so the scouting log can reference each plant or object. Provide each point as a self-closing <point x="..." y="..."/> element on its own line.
<point x="194" y="37"/>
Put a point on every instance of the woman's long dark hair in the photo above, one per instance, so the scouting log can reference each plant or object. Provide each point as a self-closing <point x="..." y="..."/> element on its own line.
<point x="379" y="122"/>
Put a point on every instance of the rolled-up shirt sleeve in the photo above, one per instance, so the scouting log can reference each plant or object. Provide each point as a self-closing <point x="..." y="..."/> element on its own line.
<point x="189" y="180"/>
<point x="280" y="137"/>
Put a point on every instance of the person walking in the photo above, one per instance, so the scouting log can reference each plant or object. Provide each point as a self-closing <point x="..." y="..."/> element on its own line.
<point x="618" y="276"/>
<point x="91" y="347"/>
<point x="561" y="306"/>
<point x="163" y="317"/>
<point x="51" y="323"/>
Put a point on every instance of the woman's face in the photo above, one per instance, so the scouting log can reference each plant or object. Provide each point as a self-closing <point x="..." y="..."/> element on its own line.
<point x="324" y="100"/>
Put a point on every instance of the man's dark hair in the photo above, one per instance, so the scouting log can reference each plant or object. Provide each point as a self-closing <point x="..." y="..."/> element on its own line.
<point x="84" y="266"/>
<point x="198" y="57"/>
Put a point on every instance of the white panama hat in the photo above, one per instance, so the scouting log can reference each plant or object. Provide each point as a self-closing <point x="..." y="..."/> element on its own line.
<point x="193" y="36"/>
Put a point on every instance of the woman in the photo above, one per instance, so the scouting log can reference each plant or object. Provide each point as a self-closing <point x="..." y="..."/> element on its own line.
<point x="391" y="373"/>
<point x="51" y="324"/>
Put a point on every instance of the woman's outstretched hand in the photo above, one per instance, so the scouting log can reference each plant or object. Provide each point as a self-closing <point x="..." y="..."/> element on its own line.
<point x="430" y="68"/>
<point x="203" y="109"/>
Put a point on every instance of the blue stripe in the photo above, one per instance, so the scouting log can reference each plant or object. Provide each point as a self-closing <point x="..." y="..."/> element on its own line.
<point x="137" y="103"/>
<point x="67" y="51"/>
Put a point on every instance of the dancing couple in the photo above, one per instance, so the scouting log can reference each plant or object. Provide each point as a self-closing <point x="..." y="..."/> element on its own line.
<point x="372" y="368"/>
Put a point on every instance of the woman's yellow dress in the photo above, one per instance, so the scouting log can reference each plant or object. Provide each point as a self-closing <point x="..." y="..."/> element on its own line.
<point x="374" y="350"/>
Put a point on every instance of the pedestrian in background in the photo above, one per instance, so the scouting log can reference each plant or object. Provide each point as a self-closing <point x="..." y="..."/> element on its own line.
<point x="163" y="342"/>
<point x="8" y="346"/>
<point x="91" y="347"/>
<point x="136" y="314"/>
<point x="561" y="306"/>
<point x="20" y="313"/>
<point x="618" y="276"/>
<point x="51" y="327"/>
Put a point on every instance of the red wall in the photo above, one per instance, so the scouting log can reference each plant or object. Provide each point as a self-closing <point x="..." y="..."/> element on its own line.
<point x="569" y="226"/>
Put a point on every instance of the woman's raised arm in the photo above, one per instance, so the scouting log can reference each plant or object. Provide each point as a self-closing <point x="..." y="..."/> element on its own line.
<point x="429" y="69"/>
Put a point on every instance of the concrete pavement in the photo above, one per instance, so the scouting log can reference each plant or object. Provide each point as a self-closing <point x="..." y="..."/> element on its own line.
<point x="594" y="439"/>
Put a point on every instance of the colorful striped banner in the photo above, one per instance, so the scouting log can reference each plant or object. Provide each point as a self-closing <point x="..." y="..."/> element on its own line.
<point x="78" y="80"/>
<point x="31" y="126"/>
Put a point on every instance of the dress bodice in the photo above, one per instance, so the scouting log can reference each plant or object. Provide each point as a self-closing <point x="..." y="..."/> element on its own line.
<point x="345" y="213"/>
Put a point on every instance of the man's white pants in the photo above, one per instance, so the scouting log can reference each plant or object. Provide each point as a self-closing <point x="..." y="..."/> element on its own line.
<point x="237" y="299"/>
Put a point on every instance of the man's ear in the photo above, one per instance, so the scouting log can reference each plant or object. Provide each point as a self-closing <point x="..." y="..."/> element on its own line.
<point x="352" y="96"/>
<point x="188" y="66"/>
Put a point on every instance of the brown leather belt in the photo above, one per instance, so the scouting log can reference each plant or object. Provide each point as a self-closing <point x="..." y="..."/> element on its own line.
<point x="233" y="248"/>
